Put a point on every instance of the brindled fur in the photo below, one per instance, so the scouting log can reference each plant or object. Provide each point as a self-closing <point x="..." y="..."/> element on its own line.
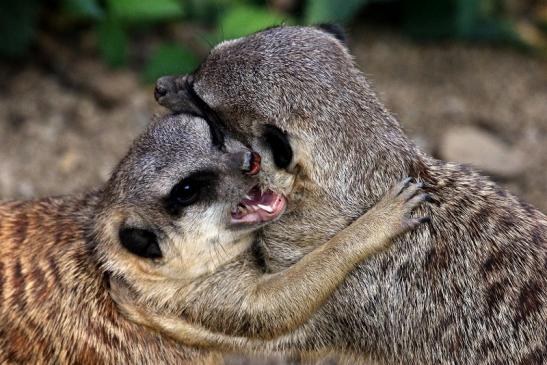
<point x="470" y="288"/>
<point x="54" y="306"/>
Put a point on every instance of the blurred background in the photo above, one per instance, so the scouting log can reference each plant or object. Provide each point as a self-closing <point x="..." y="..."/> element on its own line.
<point x="466" y="78"/>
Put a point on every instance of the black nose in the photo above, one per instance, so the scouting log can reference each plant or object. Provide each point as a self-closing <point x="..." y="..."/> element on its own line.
<point x="251" y="163"/>
<point x="159" y="91"/>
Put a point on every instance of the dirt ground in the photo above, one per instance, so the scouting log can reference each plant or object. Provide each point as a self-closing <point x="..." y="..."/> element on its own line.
<point x="64" y="128"/>
<point x="474" y="104"/>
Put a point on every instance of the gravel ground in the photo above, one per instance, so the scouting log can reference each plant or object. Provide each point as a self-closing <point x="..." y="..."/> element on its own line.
<point x="64" y="128"/>
<point x="478" y="105"/>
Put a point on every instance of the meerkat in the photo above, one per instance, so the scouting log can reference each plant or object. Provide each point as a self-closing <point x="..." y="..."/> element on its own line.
<point x="54" y="303"/>
<point x="468" y="288"/>
<point x="181" y="204"/>
<point x="260" y="304"/>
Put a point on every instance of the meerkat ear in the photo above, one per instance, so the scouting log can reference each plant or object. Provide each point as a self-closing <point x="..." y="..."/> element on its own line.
<point x="140" y="242"/>
<point x="334" y="29"/>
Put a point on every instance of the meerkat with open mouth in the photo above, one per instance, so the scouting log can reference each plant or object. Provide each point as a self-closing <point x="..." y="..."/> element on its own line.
<point x="182" y="205"/>
<point x="189" y="246"/>
<point x="469" y="288"/>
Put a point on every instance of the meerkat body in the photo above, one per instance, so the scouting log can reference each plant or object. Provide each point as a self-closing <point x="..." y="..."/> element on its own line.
<point x="470" y="288"/>
<point x="54" y="268"/>
<point x="163" y="223"/>
<point x="54" y="306"/>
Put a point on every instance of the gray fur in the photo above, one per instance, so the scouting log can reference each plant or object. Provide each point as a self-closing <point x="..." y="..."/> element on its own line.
<point x="470" y="288"/>
<point x="205" y="263"/>
<point x="195" y="240"/>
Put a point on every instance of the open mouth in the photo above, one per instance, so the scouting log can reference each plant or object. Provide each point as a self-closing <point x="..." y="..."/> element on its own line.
<point x="259" y="207"/>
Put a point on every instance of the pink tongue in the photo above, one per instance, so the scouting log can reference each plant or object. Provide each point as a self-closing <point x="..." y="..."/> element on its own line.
<point x="259" y="207"/>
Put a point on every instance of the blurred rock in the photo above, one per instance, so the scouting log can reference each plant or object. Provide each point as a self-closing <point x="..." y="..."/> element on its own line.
<point x="432" y="87"/>
<point x="69" y="161"/>
<point x="482" y="150"/>
<point x="58" y="137"/>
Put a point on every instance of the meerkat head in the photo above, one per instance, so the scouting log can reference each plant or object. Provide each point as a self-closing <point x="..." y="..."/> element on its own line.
<point x="296" y="96"/>
<point x="261" y="85"/>
<point x="183" y="201"/>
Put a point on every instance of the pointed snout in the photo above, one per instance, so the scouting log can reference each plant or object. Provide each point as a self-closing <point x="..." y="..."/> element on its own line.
<point x="164" y="85"/>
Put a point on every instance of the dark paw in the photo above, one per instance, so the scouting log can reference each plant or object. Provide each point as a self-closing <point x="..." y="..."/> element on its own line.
<point x="410" y="194"/>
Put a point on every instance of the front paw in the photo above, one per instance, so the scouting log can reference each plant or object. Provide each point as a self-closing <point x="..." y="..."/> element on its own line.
<point x="399" y="202"/>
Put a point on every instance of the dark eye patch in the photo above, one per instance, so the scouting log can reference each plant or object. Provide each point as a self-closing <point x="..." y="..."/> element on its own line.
<point x="215" y="123"/>
<point x="190" y="190"/>
<point x="141" y="242"/>
<point x="279" y="144"/>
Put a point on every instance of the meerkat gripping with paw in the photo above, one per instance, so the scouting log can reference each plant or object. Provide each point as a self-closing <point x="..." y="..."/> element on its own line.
<point x="259" y="304"/>
<point x="469" y="288"/>
<point x="182" y="205"/>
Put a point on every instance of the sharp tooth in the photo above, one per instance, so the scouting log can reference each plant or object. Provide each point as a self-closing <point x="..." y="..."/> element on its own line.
<point x="248" y="197"/>
<point x="267" y="208"/>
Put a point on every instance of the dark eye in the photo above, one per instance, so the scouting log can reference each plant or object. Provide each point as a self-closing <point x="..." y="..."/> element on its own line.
<point x="189" y="191"/>
<point x="185" y="193"/>
<point x="278" y="142"/>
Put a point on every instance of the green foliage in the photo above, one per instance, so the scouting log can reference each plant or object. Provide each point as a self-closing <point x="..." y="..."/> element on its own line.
<point x="466" y="19"/>
<point x="82" y="9"/>
<point x="145" y="11"/>
<point x="17" y="20"/>
<point x="112" y="41"/>
<point x="245" y="19"/>
<point x="169" y="59"/>
<point x="121" y="14"/>
<point x="208" y="11"/>
<point x="116" y="21"/>
<point x="325" y="11"/>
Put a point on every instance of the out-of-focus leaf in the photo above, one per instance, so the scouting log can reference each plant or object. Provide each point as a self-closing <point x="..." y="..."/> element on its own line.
<point x="464" y="19"/>
<point x="245" y="19"/>
<point x="439" y="19"/>
<point x="86" y="9"/>
<point x="493" y="30"/>
<point x="323" y="11"/>
<point x="17" y="19"/>
<point x="208" y="11"/>
<point x="432" y="19"/>
<point x="169" y="59"/>
<point x="198" y="9"/>
<point x="541" y="17"/>
<point x="112" y="42"/>
<point x="531" y="35"/>
<point x="145" y="10"/>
